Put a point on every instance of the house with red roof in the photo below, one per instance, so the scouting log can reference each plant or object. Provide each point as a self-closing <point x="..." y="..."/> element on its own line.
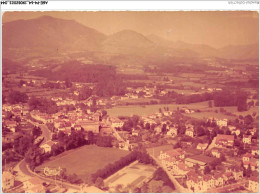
<point x="224" y="140"/>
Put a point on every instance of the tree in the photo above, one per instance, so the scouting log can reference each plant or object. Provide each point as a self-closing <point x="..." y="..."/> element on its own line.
<point x="36" y="131"/>
<point x="144" y="188"/>
<point x="248" y="119"/>
<point x="155" y="187"/>
<point x="104" y="141"/>
<point x="73" y="178"/>
<point x="34" y="156"/>
<point x="22" y="144"/>
<point x="210" y="104"/>
<point x="207" y="170"/>
<point x="15" y="97"/>
<point x="68" y="83"/>
<point x="241" y="102"/>
<point x="99" y="183"/>
<point x="160" y="174"/>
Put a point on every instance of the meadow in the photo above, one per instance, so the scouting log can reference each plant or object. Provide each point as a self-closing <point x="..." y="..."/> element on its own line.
<point x="85" y="160"/>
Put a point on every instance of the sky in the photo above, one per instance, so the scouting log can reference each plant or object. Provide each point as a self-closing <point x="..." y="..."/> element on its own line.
<point x="214" y="28"/>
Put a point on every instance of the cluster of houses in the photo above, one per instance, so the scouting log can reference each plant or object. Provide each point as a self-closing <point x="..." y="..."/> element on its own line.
<point x="18" y="110"/>
<point x="178" y="164"/>
<point x="206" y="182"/>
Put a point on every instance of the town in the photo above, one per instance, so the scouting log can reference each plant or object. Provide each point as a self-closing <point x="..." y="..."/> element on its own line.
<point x="73" y="125"/>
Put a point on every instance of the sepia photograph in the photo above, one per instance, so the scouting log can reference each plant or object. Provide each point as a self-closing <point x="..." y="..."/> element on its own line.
<point x="130" y="101"/>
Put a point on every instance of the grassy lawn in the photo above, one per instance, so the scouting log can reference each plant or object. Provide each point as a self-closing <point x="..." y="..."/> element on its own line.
<point x="85" y="160"/>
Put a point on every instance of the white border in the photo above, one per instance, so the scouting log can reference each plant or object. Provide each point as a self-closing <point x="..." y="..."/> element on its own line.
<point x="135" y="5"/>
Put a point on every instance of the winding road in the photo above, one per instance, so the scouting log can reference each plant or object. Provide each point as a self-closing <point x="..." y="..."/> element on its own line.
<point x="24" y="173"/>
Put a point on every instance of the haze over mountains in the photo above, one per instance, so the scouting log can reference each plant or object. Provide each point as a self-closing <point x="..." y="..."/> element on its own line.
<point x="47" y="34"/>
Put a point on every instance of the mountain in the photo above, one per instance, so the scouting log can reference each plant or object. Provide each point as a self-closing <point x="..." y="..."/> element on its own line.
<point x="50" y="33"/>
<point x="48" y="36"/>
<point x="240" y="52"/>
<point x="127" y="42"/>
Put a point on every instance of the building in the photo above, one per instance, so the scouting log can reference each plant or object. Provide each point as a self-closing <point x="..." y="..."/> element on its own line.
<point x="175" y="153"/>
<point x="34" y="185"/>
<point x="215" y="152"/>
<point x="116" y="123"/>
<point x="247" y="139"/>
<point x="201" y="160"/>
<point x="173" y="131"/>
<point x="236" y="170"/>
<point x="253" y="184"/>
<point x="224" y="140"/>
<point x="255" y="151"/>
<point x="189" y="132"/>
<point x="202" y="146"/>
<point x="7" y="180"/>
<point x="235" y="132"/>
<point x="47" y="146"/>
<point x="222" y="123"/>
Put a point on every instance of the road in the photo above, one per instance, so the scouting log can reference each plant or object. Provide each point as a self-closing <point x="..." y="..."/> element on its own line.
<point x="118" y="137"/>
<point x="45" y="133"/>
<point x="24" y="173"/>
<point x="178" y="187"/>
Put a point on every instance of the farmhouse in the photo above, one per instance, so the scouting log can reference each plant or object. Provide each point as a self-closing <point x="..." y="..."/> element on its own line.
<point x="224" y="140"/>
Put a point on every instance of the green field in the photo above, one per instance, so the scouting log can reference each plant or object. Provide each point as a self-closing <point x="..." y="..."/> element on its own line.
<point x="85" y="160"/>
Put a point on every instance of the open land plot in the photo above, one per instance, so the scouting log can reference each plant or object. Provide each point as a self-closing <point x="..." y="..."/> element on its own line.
<point x="205" y="115"/>
<point x="134" y="174"/>
<point x="139" y="100"/>
<point x="85" y="160"/>
<point x="150" y="109"/>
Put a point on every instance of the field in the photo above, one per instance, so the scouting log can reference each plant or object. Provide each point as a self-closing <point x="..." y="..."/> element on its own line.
<point x="134" y="174"/>
<point x="85" y="160"/>
<point x="150" y="109"/>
